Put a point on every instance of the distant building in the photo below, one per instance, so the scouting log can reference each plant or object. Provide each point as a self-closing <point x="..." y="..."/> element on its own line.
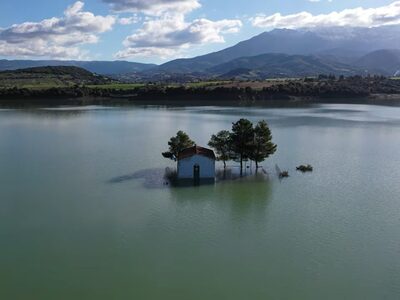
<point x="197" y="164"/>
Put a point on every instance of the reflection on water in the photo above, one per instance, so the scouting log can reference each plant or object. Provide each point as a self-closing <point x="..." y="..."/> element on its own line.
<point x="304" y="114"/>
<point x="244" y="196"/>
<point x="327" y="114"/>
<point x="42" y="114"/>
<point x="77" y="108"/>
<point x="151" y="178"/>
<point x="161" y="178"/>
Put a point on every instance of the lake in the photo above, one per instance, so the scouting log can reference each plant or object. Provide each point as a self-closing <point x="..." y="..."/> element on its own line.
<point x="85" y="212"/>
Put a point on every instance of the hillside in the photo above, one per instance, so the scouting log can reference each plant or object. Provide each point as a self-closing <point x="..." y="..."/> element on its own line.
<point x="280" y="65"/>
<point x="384" y="61"/>
<point x="99" y="67"/>
<point x="276" y="41"/>
<point x="46" y="77"/>
<point x="338" y="42"/>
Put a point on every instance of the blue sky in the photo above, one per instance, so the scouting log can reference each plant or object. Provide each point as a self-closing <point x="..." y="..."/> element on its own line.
<point x="160" y="30"/>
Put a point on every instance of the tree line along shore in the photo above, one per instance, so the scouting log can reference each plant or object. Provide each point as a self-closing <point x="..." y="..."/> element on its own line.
<point x="319" y="88"/>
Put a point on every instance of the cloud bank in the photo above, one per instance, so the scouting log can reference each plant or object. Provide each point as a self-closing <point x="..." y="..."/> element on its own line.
<point x="55" y="37"/>
<point x="165" y="31"/>
<point x="170" y="34"/>
<point x="356" y="17"/>
<point x="154" y="7"/>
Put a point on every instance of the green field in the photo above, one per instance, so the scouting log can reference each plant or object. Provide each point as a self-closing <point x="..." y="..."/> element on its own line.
<point x="129" y="86"/>
<point x="206" y="83"/>
<point x="116" y="86"/>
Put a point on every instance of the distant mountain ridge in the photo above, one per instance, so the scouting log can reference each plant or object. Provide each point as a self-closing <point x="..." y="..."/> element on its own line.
<point x="336" y="50"/>
<point x="267" y="42"/>
<point x="99" y="67"/>
<point x="274" y="65"/>
<point x="385" y="61"/>
<point x="337" y="41"/>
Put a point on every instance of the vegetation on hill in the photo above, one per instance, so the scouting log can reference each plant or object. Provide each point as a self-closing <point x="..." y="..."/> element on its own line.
<point x="49" y="77"/>
<point x="274" y="65"/>
<point x="382" y="61"/>
<point x="98" y="67"/>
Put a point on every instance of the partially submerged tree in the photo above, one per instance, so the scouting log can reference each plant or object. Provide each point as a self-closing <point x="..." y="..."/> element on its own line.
<point x="177" y="144"/>
<point x="221" y="143"/>
<point x="262" y="146"/>
<point x="244" y="142"/>
<point x="242" y="139"/>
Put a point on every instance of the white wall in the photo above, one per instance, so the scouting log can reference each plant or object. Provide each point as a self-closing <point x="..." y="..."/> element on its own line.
<point x="207" y="167"/>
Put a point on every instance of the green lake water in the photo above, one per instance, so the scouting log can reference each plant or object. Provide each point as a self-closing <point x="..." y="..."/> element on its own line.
<point x="85" y="214"/>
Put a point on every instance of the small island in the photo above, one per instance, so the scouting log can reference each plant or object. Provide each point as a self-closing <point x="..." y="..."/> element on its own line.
<point x="245" y="142"/>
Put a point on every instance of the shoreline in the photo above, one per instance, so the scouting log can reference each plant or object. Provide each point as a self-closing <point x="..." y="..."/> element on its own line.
<point x="354" y="90"/>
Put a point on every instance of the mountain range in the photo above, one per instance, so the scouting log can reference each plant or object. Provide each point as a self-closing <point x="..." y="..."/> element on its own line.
<point x="274" y="65"/>
<point x="277" y="53"/>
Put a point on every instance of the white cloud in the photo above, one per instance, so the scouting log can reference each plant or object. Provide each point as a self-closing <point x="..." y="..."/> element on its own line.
<point x="356" y="17"/>
<point x="170" y="34"/>
<point x="154" y="7"/>
<point x="129" y="20"/>
<point x="55" y="37"/>
<point x="162" y="53"/>
<point x="165" y="32"/>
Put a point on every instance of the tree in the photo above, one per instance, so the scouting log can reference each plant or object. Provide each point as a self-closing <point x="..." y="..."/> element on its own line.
<point x="177" y="144"/>
<point x="242" y="139"/>
<point x="221" y="142"/>
<point x="262" y="146"/>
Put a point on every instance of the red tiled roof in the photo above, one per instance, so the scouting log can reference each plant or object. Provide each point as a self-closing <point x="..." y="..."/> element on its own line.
<point x="196" y="150"/>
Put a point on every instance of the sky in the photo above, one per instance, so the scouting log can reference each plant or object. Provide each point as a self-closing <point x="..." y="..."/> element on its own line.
<point x="155" y="31"/>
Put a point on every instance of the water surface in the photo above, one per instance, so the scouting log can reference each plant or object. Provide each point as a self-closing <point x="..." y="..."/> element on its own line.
<point x="85" y="214"/>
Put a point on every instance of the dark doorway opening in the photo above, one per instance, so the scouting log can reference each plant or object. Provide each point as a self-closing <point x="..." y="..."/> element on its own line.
<point x="196" y="174"/>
